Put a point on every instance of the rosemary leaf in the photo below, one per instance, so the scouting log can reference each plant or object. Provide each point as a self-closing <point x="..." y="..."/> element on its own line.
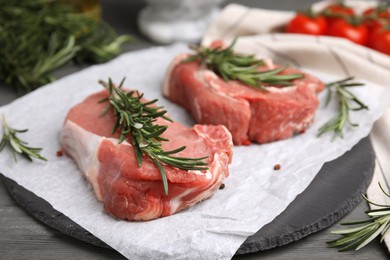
<point x="135" y="120"/>
<point x="379" y="213"/>
<point x="347" y="231"/>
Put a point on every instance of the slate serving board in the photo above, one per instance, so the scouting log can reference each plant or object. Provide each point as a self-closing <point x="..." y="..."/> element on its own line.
<point x="334" y="192"/>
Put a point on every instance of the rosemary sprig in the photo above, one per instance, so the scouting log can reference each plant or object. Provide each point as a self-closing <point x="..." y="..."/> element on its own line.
<point x="136" y="121"/>
<point x="347" y="102"/>
<point x="377" y="224"/>
<point x="17" y="145"/>
<point x="244" y="68"/>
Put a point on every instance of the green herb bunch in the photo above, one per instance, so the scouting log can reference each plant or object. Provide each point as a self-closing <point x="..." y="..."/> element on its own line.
<point x="136" y="121"/>
<point x="244" y="68"/>
<point x="39" y="36"/>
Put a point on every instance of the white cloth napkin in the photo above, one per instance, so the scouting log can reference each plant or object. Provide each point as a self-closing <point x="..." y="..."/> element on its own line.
<point x="261" y="30"/>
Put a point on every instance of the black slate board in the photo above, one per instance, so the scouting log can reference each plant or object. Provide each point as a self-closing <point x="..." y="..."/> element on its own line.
<point x="334" y="192"/>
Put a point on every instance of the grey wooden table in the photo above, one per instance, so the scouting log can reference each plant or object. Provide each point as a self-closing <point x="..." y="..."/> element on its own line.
<point x="23" y="237"/>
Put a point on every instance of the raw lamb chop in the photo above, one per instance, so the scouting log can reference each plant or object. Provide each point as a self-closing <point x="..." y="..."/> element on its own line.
<point x="136" y="193"/>
<point x="251" y="115"/>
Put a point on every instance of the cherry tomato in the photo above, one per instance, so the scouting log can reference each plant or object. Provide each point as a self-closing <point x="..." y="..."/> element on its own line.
<point x="376" y="16"/>
<point x="336" y="11"/>
<point x="355" y="33"/>
<point x="380" y="40"/>
<point x="305" y="24"/>
<point x="375" y="25"/>
<point x="372" y="24"/>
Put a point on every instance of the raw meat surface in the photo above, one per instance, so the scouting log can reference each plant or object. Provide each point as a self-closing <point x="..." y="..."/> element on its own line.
<point x="136" y="193"/>
<point x="251" y="115"/>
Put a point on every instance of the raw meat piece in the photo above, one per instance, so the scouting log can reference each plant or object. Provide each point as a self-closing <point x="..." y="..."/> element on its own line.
<point x="136" y="193"/>
<point x="249" y="114"/>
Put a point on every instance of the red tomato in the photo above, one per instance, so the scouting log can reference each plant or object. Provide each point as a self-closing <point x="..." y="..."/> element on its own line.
<point x="380" y="40"/>
<point x="374" y="25"/>
<point x="355" y="33"/>
<point x="376" y="16"/>
<point x="305" y="24"/>
<point x="336" y="11"/>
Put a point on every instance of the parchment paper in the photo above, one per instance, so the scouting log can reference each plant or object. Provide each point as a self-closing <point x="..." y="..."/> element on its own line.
<point x="254" y="194"/>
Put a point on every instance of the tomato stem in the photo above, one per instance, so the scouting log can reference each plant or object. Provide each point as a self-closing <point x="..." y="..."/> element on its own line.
<point x="308" y="12"/>
<point x="381" y="8"/>
<point x="354" y="20"/>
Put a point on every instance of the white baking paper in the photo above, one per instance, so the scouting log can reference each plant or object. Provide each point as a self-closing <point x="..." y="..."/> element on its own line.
<point x="254" y="194"/>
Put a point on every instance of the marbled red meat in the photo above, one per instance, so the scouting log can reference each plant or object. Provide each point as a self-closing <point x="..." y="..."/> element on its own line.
<point x="136" y="193"/>
<point x="251" y="115"/>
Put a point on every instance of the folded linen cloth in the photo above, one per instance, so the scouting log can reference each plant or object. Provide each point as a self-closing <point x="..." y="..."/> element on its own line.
<point x="261" y="31"/>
